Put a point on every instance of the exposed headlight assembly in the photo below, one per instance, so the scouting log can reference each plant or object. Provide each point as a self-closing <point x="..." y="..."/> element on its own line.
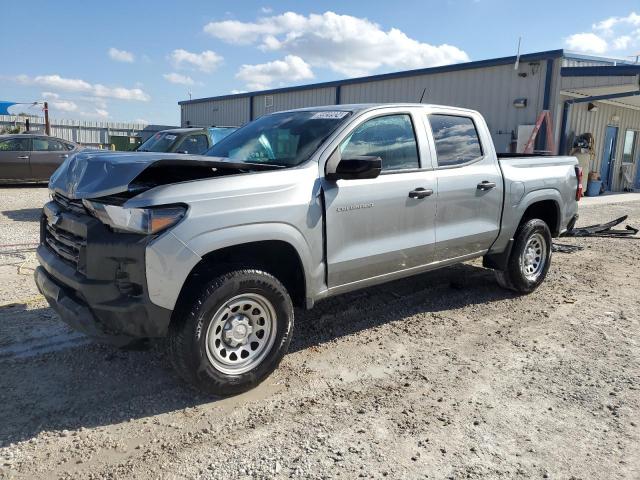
<point x="136" y="220"/>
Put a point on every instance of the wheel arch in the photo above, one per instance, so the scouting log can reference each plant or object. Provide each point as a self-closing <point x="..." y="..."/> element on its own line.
<point x="277" y="257"/>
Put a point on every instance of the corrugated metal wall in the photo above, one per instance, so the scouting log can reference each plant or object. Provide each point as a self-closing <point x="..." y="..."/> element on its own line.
<point x="583" y="121"/>
<point x="575" y="62"/>
<point x="83" y="132"/>
<point x="231" y="111"/>
<point x="490" y="90"/>
<point x="296" y="99"/>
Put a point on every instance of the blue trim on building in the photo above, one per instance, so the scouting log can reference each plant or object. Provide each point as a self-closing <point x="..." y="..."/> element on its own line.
<point x="603" y="71"/>
<point x="338" y="94"/>
<point x="546" y="101"/>
<point x="495" y="62"/>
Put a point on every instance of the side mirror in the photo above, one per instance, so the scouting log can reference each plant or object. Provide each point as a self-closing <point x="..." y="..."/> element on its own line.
<point x="353" y="168"/>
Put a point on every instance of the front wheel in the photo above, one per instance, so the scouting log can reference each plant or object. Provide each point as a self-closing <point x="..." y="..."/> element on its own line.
<point x="234" y="334"/>
<point x="530" y="258"/>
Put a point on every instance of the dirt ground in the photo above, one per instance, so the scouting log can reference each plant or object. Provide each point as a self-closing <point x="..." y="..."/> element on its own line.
<point x="444" y="375"/>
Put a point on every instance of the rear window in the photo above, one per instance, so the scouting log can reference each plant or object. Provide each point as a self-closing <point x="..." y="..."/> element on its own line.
<point x="456" y="138"/>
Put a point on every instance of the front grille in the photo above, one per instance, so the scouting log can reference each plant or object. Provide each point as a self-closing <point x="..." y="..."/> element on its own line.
<point x="65" y="244"/>
<point x="68" y="204"/>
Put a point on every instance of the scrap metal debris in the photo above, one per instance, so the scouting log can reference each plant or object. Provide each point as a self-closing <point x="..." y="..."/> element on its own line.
<point x="565" y="247"/>
<point x="603" y="230"/>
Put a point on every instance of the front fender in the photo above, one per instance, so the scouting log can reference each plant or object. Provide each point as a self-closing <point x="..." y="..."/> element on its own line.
<point x="213" y="240"/>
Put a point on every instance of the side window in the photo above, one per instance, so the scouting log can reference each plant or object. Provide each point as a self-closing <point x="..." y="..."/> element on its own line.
<point x="194" y="144"/>
<point x="391" y="138"/>
<point x="56" y="146"/>
<point x="14" y="145"/>
<point x="40" y="145"/>
<point x="456" y="139"/>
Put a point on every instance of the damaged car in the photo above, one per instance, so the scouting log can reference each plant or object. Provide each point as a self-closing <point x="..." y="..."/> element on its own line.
<point x="215" y="251"/>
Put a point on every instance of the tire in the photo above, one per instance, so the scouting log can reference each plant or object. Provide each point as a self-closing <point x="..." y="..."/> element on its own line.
<point x="216" y="344"/>
<point x="530" y="258"/>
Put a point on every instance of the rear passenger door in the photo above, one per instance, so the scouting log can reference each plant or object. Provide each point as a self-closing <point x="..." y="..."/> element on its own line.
<point x="14" y="158"/>
<point x="46" y="157"/>
<point x="470" y="188"/>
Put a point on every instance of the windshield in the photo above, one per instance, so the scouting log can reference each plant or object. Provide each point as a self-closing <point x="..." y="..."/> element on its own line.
<point x="160" y="142"/>
<point x="218" y="133"/>
<point x="285" y="139"/>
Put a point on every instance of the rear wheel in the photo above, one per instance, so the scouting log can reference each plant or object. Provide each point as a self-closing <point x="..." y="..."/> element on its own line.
<point x="234" y="334"/>
<point x="530" y="258"/>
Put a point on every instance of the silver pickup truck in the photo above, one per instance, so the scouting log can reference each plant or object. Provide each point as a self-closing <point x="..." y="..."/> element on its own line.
<point x="214" y="251"/>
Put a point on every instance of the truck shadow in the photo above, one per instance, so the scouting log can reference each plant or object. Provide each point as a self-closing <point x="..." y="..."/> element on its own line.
<point x="23" y="214"/>
<point x="54" y="379"/>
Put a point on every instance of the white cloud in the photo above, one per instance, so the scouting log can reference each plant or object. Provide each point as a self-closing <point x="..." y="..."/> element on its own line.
<point x="78" y="85"/>
<point x="622" y="42"/>
<point x="63" y="105"/>
<point x="121" y="55"/>
<point x="266" y="10"/>
<point x="613" y="34"/>
<point x="99" y="112"/>
<point x="50" y="95"/>
<point x="587" y="43"/>
<point x="345" y="44"/>
<point x="177" y="78"/>
<point x="206" y="61"/>
<point x="607" y="26"/>
<point x="264" y="75"/>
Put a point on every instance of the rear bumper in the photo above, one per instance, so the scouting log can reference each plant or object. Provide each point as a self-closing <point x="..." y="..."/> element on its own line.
<point x="106" y="295"/>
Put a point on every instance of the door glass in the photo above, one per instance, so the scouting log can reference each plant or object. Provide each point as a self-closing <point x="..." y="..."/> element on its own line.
<point x="14" y="145"/>
<point x="629" y="146"/>
<point x="194" y="144"/>
<point x="47" y="145"/>
<point x="391" y="138"/>
<point x="456" y="139"/>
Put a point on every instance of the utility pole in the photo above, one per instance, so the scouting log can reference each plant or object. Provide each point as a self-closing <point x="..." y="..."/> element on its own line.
<point x="47" y="127"/>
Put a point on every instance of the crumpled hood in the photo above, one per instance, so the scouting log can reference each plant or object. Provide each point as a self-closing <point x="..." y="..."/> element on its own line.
<point x="93" y="174"/>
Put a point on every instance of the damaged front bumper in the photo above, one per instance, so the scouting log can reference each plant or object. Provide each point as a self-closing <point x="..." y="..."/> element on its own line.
<point x="95" y="279"/>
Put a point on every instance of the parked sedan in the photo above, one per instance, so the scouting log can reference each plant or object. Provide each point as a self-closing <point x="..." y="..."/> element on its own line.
<point x="32" y="157"/>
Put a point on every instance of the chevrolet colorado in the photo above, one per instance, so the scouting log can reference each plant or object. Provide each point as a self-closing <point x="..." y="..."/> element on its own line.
<point x="214" y="251"/>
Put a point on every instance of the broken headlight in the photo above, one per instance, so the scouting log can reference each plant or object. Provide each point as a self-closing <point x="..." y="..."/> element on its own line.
<point x="136" y="220"/>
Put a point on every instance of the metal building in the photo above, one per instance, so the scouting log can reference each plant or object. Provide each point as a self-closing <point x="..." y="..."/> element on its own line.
<point x="584" y="94"/>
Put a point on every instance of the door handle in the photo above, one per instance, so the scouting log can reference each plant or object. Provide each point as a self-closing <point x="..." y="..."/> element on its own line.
<point x="486" y="185"/>
<point x="64" y="155"/>
<point x="23" y="157"/>
<point x="420" y="193"/>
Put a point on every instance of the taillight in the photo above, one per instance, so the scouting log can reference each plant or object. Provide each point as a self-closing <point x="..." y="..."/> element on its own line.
<point x="579" y="177"/>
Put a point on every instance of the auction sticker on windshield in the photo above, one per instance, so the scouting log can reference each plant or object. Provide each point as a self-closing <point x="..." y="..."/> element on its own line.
<point x="328" y="115"/>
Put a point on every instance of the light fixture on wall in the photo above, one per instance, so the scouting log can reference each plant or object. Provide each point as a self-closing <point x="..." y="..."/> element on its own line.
<point x="520" y="103"/>
<point x="615" y="118"/>
<point x="592" y="107"/>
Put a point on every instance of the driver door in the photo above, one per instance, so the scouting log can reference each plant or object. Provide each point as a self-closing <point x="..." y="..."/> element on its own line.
<point x="375" y="227"/>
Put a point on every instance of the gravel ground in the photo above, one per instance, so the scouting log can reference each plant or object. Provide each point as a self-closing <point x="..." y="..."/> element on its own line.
<point x="443" y="375"/>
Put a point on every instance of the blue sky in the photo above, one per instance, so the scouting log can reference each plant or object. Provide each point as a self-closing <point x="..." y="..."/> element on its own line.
<point x="130" y="60"/>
